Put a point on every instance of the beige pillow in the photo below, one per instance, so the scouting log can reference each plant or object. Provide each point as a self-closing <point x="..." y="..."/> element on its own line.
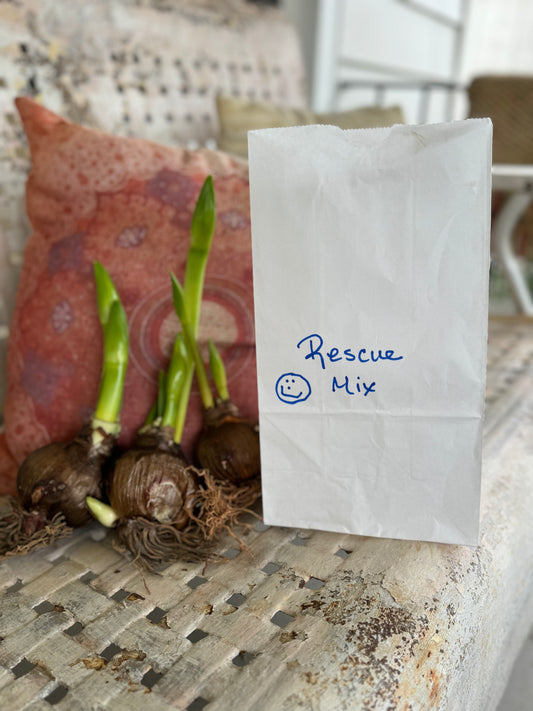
<point x="237" y="117"/>
<point x="508" y="101"/>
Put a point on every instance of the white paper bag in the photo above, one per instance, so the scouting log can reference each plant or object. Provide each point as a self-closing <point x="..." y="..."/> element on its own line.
<point x="371" y="262"/>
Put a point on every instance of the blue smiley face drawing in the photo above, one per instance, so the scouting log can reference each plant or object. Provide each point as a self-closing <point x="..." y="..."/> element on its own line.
<point x="292" y="388"/>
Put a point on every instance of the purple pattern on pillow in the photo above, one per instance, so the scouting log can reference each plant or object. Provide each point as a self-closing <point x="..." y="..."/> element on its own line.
<point x="66" y="254"/>
<point x="234" y="219"/>
<point x="173" y="188"/>
<point x="131" y="236"/>
<point x="62" y="316"/>
<point x="40" y="378"/>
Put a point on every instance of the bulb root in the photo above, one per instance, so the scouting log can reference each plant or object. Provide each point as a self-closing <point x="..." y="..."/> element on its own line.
<point x="222" y="504"/>
<point x="154" y="544"/>
<point x="23" y="532"/>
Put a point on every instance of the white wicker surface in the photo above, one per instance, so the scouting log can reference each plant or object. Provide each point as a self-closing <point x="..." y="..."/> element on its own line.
<point x="299" y="620"/>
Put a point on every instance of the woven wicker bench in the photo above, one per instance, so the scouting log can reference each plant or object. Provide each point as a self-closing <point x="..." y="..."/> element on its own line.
<point x="297" y="619"/>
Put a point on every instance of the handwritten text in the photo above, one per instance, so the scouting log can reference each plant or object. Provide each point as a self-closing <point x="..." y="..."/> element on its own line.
<point x="314" y="343"/>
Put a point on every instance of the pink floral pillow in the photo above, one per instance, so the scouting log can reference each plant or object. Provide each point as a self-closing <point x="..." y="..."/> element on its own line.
<point x="127" y="203"/>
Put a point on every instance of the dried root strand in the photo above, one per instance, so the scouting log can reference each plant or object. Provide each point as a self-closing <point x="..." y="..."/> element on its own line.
<point x="153" y="544"/>
<point x="19" y="536"/>
<point x="222" y="504"/>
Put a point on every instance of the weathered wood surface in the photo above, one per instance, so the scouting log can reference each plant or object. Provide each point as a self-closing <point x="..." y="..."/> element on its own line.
<point x="299" y="620"/>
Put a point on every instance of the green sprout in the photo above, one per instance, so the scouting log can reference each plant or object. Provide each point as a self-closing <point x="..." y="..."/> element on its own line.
<point x="218" y="371"/>
<point x="202" y="231"/>
<point x="153" y="418"/>
<point x="190" y="341"/>
<point x="176" y="375"/>
<point x="115" y="353"/>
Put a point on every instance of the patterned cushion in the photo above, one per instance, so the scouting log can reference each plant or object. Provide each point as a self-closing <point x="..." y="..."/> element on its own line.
<point x="127" y="203"/>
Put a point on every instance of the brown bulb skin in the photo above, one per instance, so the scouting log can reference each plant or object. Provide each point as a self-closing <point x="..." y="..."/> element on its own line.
<point x="57" y="478"/>
<point x="228" y="446"/>
<point x="153" y="481"/>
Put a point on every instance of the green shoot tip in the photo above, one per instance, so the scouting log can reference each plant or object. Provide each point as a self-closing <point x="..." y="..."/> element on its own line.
<point x="178" y="296"/>
<point x="204" y="217"/>
<point x="218" y="371"/>
<point x="106" y="294"/>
